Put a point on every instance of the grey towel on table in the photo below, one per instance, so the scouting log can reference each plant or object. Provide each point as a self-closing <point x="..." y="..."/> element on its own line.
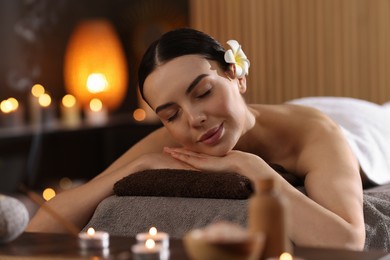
<point x="129" y="215"/>
<point x="377" y="217"/>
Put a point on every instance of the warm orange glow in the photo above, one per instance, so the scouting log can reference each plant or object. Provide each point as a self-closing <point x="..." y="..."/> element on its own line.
<point x="96" y="105"/>
<point x="37" y="90"/>
<point x="9" y="105"/>
<point x="48" y="194"/>
<point x="97" y="82"/>
<point x="68" y="101"/>
<point x="139" y="114"/>
<point x="95" y="64"/>
<point x="44" y="100"/>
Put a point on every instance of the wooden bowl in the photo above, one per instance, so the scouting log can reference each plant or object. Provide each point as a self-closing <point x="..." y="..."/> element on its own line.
<point x="201" y="246"/>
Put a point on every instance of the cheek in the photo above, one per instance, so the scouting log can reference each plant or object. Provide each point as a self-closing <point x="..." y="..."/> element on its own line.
<point x="179" y="133"/>
<point x="225" y="105"/>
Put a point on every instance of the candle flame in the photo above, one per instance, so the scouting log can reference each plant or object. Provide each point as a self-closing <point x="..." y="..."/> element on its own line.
<point x="37" y="90"/>
<point x="95" y="105"/>
<point x="96" y="83"/>
<point x="6" y="106"/>
<point x="68" y="101"/>
<point x="9" y="105"/>
<point x="285" y="256"/>
<point x="48" y="194"/>
<point x="153" y="231"/>
<point x="91" y="231"/>
<point x="149" y="244"/>
<point x="14" y="103"/>
<point x="44" y="100"/>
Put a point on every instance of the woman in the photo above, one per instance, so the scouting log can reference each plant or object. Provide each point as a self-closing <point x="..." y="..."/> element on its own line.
<point x="196" y="88"/>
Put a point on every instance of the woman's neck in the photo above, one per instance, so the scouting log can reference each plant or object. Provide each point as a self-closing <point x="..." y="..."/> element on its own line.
<point x="249" y="140"/>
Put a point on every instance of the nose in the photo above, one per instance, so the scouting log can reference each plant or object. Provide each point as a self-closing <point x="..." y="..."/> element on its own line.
<point x="196" y="118"/>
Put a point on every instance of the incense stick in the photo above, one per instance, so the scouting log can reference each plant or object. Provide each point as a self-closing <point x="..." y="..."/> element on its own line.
<point x="69" y="226"/>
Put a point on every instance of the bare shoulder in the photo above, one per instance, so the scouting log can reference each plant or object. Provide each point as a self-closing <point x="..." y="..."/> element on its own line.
<point x="293" y="119"/>
<point x="286" y="111"/>
<point x="299" y="137"/>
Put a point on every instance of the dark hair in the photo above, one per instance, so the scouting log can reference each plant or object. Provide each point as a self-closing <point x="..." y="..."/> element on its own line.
<point x="176" y="43"/>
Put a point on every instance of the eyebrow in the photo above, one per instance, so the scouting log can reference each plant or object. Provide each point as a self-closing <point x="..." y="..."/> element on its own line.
<point x="195" y="82"/>
<point x="188" y="90"/>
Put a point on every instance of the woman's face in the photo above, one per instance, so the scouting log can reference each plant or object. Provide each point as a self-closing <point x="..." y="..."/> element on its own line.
<point x="199" y="105"/>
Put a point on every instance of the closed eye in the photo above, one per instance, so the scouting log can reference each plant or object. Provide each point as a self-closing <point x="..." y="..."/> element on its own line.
<point x="173" y="117"/>
<point x="204" y="94"/>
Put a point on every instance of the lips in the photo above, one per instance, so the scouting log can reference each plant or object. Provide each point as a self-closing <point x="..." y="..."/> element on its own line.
<point x="212" y="136"/>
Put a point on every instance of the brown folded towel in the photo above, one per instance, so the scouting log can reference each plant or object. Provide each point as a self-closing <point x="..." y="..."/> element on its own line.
<point x="184" y="183"/>
<point x="192" y="184"/>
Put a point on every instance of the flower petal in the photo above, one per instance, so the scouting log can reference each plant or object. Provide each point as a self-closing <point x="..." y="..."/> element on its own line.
<point x="234" y="45"/>
<point x="229" y="57"/>
<point x="240" y="53"/>
<point x="245" y="66"/>
<point x="239" y="72"/>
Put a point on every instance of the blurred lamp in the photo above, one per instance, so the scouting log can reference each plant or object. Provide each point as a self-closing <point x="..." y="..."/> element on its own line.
<point x="95" y="64"/>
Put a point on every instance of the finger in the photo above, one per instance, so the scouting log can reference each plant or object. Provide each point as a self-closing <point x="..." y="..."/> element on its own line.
<point x="195" y="161"/>
<point x="183" y="151"/>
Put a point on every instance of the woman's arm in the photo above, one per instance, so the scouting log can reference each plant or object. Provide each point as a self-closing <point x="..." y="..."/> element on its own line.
<point x="77" y="205"/>
<point x="331" y="216"/>
<point x="332" y="180"/>
<point x="332" y="213"/>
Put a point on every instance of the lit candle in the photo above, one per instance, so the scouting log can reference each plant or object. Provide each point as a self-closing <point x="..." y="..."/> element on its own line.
<point x="161" y="238"/>
<point x="285" y="256"/>
<point x="94" y="239"/>
<point x="48" y="113"/>
<point x="12" y="115"/>
<point x="70" y="111"/>
<point x="35" y="109"/>
<point x="148" y="250"/>
<point x="96" y="113"/>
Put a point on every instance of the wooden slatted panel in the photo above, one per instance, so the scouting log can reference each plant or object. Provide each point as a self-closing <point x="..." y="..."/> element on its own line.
<point x="305" y="47"/>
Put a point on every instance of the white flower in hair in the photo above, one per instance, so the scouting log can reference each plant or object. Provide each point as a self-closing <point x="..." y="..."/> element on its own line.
<point x="236" y="56"/>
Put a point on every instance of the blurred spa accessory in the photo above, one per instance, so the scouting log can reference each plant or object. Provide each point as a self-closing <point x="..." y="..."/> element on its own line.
<point x="14" y="218"/>
<point x="267" y="214"/>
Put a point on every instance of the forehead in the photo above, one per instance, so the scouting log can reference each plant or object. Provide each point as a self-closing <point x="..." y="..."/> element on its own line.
<point x="175" y="76"/>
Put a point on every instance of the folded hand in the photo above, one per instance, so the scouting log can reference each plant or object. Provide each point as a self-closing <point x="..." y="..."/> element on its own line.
<point x="246" y="164"/>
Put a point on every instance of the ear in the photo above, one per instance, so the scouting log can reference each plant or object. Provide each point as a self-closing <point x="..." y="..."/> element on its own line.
<point x="242" y="85"/>
<point x="231" y="73"/>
